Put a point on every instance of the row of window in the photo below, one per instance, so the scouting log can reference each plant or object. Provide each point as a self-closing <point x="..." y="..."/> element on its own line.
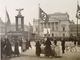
<point x="54" y="28"/>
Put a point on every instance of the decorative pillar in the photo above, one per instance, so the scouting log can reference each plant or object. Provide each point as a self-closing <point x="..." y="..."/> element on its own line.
<point x="19" y="21"/>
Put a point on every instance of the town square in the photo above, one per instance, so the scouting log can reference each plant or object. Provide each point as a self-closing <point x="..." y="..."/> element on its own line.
<point x="40" y="30"/>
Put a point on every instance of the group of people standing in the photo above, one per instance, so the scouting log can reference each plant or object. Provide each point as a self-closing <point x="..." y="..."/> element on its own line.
<point x="7" y="48"/>
<point x="50" y="48"/>
<point x="47" y="47"/>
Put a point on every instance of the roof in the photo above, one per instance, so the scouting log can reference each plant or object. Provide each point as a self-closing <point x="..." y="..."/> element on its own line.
<point x="58" y="16"/>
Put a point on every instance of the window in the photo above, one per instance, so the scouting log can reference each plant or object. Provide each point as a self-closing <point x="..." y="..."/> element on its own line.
<point x="63" y="28"/>
<point x="48" y="25"/>
<point x="52" y="26"/>
<point x="52" y="35"/>
<point x="63" y="35"/>
<point x="56" y="26"/>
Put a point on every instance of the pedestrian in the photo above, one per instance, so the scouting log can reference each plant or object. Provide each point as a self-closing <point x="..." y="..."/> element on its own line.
<point x="53" y="49"/>
<point x="58" y="49"/>
<point x="16" y="48"/>
<point x="55" y="42"/>
<point x="63" y="46"/>
<point x="2" y="48"/>
<point x="8" y="49"/>
<point x="38" y="48"/>
<point x="48" y="50"/>
<point x="28" y="44"/>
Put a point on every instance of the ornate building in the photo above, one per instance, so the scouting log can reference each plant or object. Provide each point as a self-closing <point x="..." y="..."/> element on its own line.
<point x="58" y="25"/>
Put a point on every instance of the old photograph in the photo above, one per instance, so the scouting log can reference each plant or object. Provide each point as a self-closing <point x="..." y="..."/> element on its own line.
<point x="40" y="29"/>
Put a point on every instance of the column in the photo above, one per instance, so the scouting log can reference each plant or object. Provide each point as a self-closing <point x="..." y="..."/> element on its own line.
<point x="51" y="26"/>
<point x="54" y="26"/>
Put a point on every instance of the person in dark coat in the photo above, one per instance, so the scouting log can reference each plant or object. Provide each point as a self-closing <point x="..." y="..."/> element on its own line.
<point x="38" y="48"/>
<point x="8" y="49"/>
<point x="48" y="50"/>
<point x="2" y="48"/>
<point x="28" y="44"/>
<point x="17" y="48"/>
<point x="55" y="42"/>
<point x="63" y="46"/>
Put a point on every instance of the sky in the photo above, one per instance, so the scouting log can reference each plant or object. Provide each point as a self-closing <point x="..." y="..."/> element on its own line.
<point x="31" y="8"/>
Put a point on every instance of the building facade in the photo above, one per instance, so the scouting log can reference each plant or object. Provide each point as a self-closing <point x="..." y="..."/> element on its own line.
<point x="58" y="25"/>
<point x="2" y="28"/>
<point x="73" y="29"/>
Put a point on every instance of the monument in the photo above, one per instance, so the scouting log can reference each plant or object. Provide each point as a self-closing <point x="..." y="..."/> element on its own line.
<point x="19" y="21"/>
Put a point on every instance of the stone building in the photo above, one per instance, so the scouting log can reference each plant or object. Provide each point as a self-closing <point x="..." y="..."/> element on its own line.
<point x="73" y="29"/>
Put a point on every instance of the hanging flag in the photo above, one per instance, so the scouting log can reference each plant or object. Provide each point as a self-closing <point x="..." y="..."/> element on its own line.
<point x="7" y="23"/>
<point x="78" y="11"/>
<point x="7" y="18"/>
<point x="43" y="15"/>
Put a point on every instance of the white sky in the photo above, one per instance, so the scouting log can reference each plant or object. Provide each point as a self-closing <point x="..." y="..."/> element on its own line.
<point x="31" y="8"/>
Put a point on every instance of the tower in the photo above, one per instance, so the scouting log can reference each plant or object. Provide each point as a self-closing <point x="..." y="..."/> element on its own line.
<point x="19" y="21"/>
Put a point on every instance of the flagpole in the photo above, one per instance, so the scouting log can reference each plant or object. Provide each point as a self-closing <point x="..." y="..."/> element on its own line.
<point x="77" y="27"/>
<point x="77" y="16"/>
<point x="38" y="19"/>
<point x="5" y="24"/>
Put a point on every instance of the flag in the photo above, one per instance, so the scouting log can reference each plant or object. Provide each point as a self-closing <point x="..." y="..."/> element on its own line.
<point x="7" y="18"/>
<point x="42" y="15"/>
<point x="78" y="11"/>
<point x="7" y="22"/>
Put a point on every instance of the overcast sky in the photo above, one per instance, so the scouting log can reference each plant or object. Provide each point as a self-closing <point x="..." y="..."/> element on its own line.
<point x="31" y="8"/>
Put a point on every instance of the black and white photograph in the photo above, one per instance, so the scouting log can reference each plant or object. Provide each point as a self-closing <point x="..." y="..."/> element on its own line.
<point x="40" y="29"/>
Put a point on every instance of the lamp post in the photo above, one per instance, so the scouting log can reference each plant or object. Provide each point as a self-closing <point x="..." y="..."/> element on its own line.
<point x="78" y="14"/>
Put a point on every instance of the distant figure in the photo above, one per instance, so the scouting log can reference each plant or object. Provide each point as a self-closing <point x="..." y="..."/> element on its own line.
<point x="28" y="44"/>
<point x="2" y="48"/>
<point x="63" y="46"/>
<point x="8" y="49"/>
<point x="75" y="41"/>
<point x="48" y="50"/>
<point x="55" y="42"/>
<point x="58" y="49"/>
<point x="16" y="48"/>
<point x="38" y="48"/>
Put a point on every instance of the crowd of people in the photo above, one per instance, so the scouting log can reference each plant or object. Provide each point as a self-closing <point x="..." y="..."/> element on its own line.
<point x="10" y="48"/>
<point x="50" y="48"/>
<point x="47" y="47"/>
